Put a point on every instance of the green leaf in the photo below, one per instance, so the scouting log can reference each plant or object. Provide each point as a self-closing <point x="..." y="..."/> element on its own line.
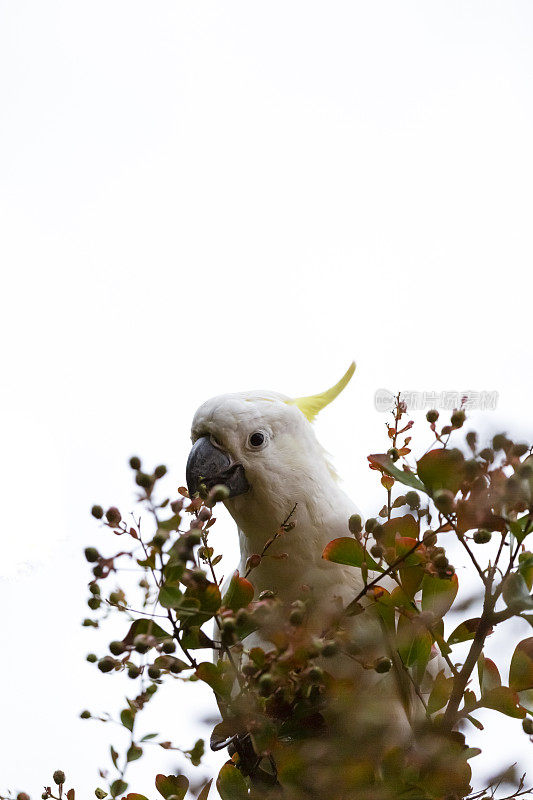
<point x="528" y="618"/>
<point x="148" y="736"/>
<point x="168" y="785"/>
<point x="521" y="669"/>
<point x="239" y="593"/>
<point x="440" y="693"/>
<point x="170" y="596"/>
<point x="114" y="756"/>
<point x="520" y="528"/>
<point x="145" y="626"/>
<point x="348" y="550"/>
<point x="195" y="639"/>
<point x="516" y="594"/>
<point x="414" y="644"/>
<point x="384" y="462"/>
<point x="215" y="677"/>
<point x="231" y="784"/>
<point x="134" y="753"/>
<point x="171" y="524"/>
<point x="441" y="469"/>
<point x="503" y="699"/>
<point x="488" y="673"/>
<point x="208" y="598"/>
<point x="438" y="594"/>
<point x="127" y="717"/>
<point x="465" y="631"/>
<point x="205" y="791"/>
<point x="118" y="787"/>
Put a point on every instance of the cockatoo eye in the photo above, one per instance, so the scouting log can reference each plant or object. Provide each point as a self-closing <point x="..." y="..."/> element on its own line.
<point x="257" y="439"/>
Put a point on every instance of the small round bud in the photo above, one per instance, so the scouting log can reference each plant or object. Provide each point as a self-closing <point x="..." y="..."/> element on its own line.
<point x="440" y="560"/>
<point x="143" y="480"/>
<point x="115" y="598"/>
<point x="376" y="550"/>
<point x="135" y="462"/>
<point x="444" y="500"/>
<point x="113" y="515"/>
<point x="141" y="643"/>
<point x="97" y="512"/>
<point x="85" y="714"/>
<point x="94" y="589"/>
<point x="412" y="499"/>
<point x="446" y="429"/>
<point x="242" y="617"/>
<point x="297" y="616"/>
<point x="432" y="415"/>
<point x="94" y="603"/>
<point x="160" y="471"/>
<point x="92" y="658"/>
<point x="482" y="536"/>
<point x="315" y="674"/>
<point x="91" y="554"/>
<point x="116" y="647"/>
<point x="393" y="454"/>
<point x="59" y="777"/>
<point x="133" y="671"/>
<point x="106" y="664"/>
<point x="500" y="441"/>
<point x="228" y="624"/>
<point x="45" y="795"/>
<point x="168" y="646"/>
<point x="219" y="493"/>
<point x="487" y="454"/>
<point x="160" y="537"/>
<point x="458" y="417"/>
<point x="205" y="514"/>
<point x="520" y="449"/>
<point x="355" y="524"/>
<point x="430" y="538"/>
<point x="253" y="561"/>
<point x="98" y="571"/>
<point x="471" y="439"/>
<point x="370" y="524"/>
<point x="154" y="672"/>
<point x="23" y="796"/>
<point x="266" y="684"/>
<point x="527" y="725"/>
<point x="330" y="648"/>
<point x="176" y="666"/>
<point x="382" y="664"/>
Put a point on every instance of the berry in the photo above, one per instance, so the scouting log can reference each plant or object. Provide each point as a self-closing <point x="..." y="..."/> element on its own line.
<point x="91" y="554"/>
<point x="92" y="658"/>
<point x="355" y="524"/>
<point x="376" y="550"/>
<point x="59" y="777"/>
<point x="113" y="515"/>
<point x="499" y="441"/>
<point x="143" y="480"/>
<point x="412" y="499"/>
<point x="370" y="524"/>
<point x="482" y="537"/>
<point x="94" y="603"/>
<point x="432" y="415"/>
<point x="444" y="500"/>
<point x="106" y="664"/>
<point x="85" y="714"/>
<point x="527" y="725"/>
<point x="471" y="439"/>
<point x="430" y="538"/>
<point x="160" y="471"/>
<point x="154" y="672"/>
<point x="487" y="454"/>
<point x="266" y="684"/>
<point x="458" y="417"/>
<point x="382" y="664"/>
<point x="168" y="646"/>
<point x="330" y="648"/>
<point x="218" y="493"/>
<point x="135" y="462"/>
<point x="97" y="512"/>
<point x="393" y="454"/>
<point x="116" y="648"/>
<point x="297" y="616"/>
<point x="133" y="671"/>
<point x="315" y="674"/>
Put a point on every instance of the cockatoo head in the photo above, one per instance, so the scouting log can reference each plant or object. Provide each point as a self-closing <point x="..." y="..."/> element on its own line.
<point x="261" y="445"/>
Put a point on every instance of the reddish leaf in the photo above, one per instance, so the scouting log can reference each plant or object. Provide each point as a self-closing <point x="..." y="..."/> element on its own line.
<point x="71" y="794"/>
<point x="405" y="527"/>
<point x="383" y="463"/>
<point x="489" y="676"/>
<point x="205" y="791"/>
<point x="239" y="593"/>
<point x="348" y="550"/>
<point x="465" y="631"/>
<point x="521" y="670"/>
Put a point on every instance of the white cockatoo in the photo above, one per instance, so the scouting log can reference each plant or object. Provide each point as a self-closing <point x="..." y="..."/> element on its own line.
<point x="262" y="446"/>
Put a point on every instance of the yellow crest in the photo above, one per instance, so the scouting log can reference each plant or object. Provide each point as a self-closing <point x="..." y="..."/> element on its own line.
<point x="310" y="406"/>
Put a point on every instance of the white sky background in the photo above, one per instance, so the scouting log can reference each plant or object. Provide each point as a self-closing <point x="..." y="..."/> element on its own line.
<point x="208" y="197"/>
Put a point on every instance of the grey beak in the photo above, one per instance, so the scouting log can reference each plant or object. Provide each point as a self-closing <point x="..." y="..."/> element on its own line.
<point x="211" y="465"/>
